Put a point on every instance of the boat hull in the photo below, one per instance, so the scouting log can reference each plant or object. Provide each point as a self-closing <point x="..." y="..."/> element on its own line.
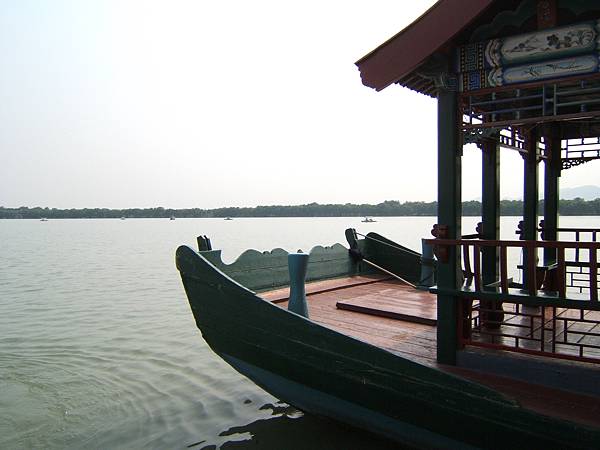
<point x="324" y="372"/>
<point x="323" y="404"/>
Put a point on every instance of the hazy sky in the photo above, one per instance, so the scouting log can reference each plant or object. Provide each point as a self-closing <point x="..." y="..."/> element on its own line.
<point x="204" y="104"/>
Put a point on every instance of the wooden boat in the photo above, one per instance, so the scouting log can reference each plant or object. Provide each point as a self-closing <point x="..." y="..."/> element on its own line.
<point x="476" y="361"/>
<point x="340" y="363"/>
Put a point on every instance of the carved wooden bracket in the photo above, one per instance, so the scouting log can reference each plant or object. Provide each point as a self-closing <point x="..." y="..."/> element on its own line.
<point x="441" y="251"/>
<point x="519" y="230"/>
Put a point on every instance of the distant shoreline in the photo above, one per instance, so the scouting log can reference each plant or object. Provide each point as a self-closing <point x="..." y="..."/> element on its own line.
<point x="390" y="208"/>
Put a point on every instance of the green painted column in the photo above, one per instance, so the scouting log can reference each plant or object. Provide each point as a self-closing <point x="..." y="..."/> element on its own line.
<point x="491" y="311"/>
<point x="449" y="215"/>
<point x="530" y="196"/>
<point x="551" y="194"/>
<point x="490" y="212"/>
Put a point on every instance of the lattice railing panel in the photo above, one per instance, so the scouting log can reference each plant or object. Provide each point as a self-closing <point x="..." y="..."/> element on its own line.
<point x="549" y="331"/>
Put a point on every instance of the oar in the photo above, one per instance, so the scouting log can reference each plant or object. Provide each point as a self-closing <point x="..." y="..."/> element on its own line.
<point x="356" y="254"/>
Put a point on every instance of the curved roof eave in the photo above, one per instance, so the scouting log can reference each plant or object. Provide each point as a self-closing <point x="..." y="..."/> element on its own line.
<point x="403" y="53"/>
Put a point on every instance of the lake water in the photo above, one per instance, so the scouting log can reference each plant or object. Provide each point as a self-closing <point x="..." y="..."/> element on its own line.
<point x="99" y="349"/>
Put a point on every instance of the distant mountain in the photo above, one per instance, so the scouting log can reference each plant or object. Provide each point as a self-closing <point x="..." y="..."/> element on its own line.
<point x="588" y="192"/>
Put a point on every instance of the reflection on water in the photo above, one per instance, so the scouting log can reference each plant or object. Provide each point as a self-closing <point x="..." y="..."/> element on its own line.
<point x="98" y="347"/>
<point x="292" y="430"/>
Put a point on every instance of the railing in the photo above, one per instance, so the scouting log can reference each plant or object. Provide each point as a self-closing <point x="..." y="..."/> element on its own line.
<point x="531" y="103"/>
<point x="578" y="234"/>
<point x="568" y="254"/>
<point x="577" y="273"/>
<point x="549" y="314"/>
<point x="564" y="333"/>
<point x="573" y="149"/>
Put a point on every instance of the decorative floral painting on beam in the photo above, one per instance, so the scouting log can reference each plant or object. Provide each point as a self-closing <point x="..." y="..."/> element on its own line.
<point x="580" y="65"/>
<point x="541" y="55"/>
<point x="543" y="45"/>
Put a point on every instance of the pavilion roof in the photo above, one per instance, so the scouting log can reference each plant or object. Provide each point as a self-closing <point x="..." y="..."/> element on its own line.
<point x="398" y="59"/>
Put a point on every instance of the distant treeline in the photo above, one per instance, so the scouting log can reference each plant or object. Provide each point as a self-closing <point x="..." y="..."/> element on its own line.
<point x="576" y="207"/>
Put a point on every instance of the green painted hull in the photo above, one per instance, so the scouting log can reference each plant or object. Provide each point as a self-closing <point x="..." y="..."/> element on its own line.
<point x="324" y="372"/>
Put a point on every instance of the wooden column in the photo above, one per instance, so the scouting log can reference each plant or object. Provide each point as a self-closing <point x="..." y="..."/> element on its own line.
<point x="490" y="212"/>
<point x="530" y="197"/>
<point x="551" y="194"/>
<point x="449" y="216"/>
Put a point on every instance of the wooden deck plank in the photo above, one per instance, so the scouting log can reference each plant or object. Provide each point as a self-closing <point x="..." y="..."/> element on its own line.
<point x="414" y="341"/>
<point x="400" y="337"/>
<point x="326" y="310"/>
<point x="401" y="303"/>
<point x="394" y="331"/>
<point x="404" y="347"/>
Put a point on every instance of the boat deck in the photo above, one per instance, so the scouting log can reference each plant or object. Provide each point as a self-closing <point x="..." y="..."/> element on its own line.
<point x="378" y="310"/>
<point x="391" y="315"/>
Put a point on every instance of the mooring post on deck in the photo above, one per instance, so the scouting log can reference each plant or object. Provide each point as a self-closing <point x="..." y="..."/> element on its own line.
<point x="297" y="266"/>
<point x="449" y="216"/>
<point x="204" y="243"/>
